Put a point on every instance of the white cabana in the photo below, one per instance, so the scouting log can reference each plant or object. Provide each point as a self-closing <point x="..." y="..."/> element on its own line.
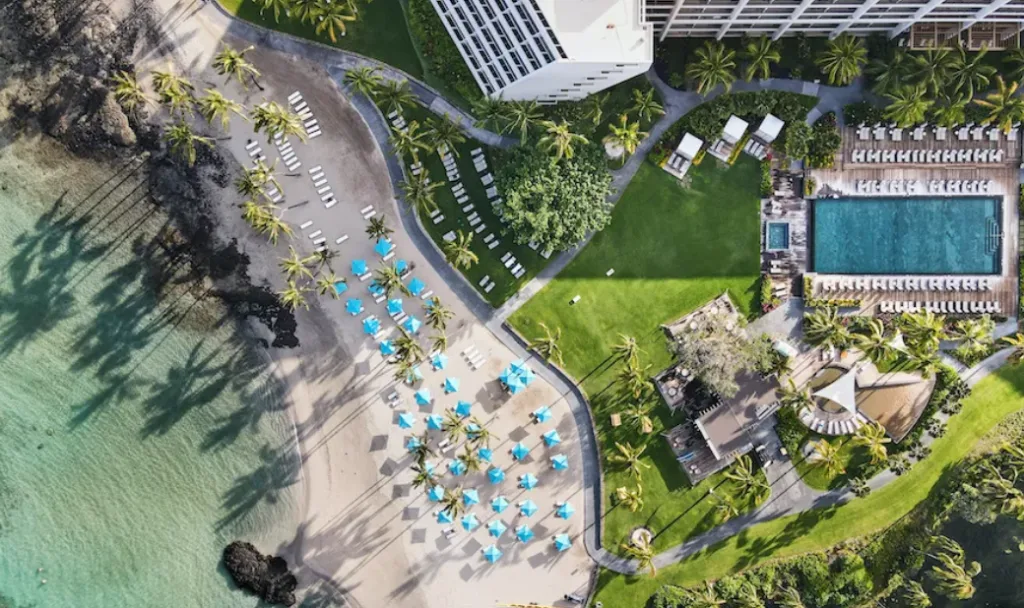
<point x="843" y="391"/>
<point x="734" y="129"/>
<point x="689" y="146"/>
<point x="770" y="128"/>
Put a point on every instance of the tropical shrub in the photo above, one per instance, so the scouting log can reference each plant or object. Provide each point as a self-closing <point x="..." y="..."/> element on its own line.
<point x="832" y="302"/>
<point x="439" y="50"/>
<point x="825" y="142"/>
<point x="862" y="112"/>
<point x="766" y="177"/>
<point x="796" y="139"/>
<point x="809" y="185"/>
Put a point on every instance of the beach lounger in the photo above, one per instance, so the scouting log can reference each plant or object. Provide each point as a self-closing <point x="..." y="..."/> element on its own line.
<point x="493" y="244"/>
<point x="341" y="239"/>
<point x="476" y="151"/>
<point x="315" y="169"/>
<point x="315" y="134"/>
<point x="325" y="197"/>
<point x="294" y="166"/>
<point x="438" y="219"/>
<point x="295" y="97"/>
<point x="313" y="235"/>
<point x="319" y="241"/>
<point x="426" y="294"/>
<point x="330" y="203"/>
<point x="305" y="224"/>
<point x="467" y="208"/>
<point x="481" y="228"/>
<point x="487" y="179"/>
<point x="489" y="287"/>
<point x="251" y="145"/>
<point x="323" y="189"/>
<point x="484" y="280"/>
<point x="366" y="209"/>
<point x="473" y="222"/>
<point x="370" y="214"/>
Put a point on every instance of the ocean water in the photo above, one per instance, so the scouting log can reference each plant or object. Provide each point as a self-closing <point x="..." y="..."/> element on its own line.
<point x="907" y="235"/>
<point x="139" y="430"/>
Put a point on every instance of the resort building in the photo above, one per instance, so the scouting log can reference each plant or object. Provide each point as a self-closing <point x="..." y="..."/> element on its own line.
<point x="549" y="50"/>
<point x="996" y="23"/>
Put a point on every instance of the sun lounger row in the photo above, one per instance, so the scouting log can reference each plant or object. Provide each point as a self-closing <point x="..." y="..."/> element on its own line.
<point x="287" y="153"/>
<point x="829" y="427"/>
<point x="964" y="133"/>
<point x="300" y="107"/>
<point x="513" y="265"/>
<point x="474" y="357"/>
<point x="916" y="186"/>
<point x="755" y="149"/>
<point x="479" y="160"/>
<point x="397" y="121"/>
<point x="323" y="189"/>
<point x="904" y="284"/>
<point x="486" y="283"/>
<point x="927" y="157"/>
<point x="943" y="307"/>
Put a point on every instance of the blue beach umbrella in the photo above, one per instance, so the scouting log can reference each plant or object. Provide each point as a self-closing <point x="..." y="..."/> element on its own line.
<point x="499" y="504"/>
<point x="340" y="287"/>
<point x="359" y="267"/>
<point x="395" y="306"/>
<point x="387" y="348"/>
<point x="414" y="374"/>
<point x="492" y="553"/>
<point x="505" y="376"/>
<point x="485" y="454"/>
<point x="413" y="443"/>
<point x="564" y="511"/>
<point x="559" y="462"/>
<point x="516" y="367"/>
<point x="469" y="522"/>
<point x="423" y="397"/>
<point x="519" y="451"/>
<point x="496" y="475"/>
<point x="542" y="414"/>
<point x="435" y="422"/>
<point x="457" y="467"/>
<point x="528" y="482"/>
<point x="375" y="289"/>
<point x="551" y="438"/>
<point x="472" y="430"/>
<point x="439" y="361"/>
<point x="435" y="494"/>
<point x="451" y="384"/>
<point x="354" y="306"/>
<point x="416" y="286"/>
<point x="496" y="528"/>
<point x="401" y="266"/>
<point x="515" y="385"/>
<point x="527" y="376"/>
<point x="406" y="420"/>
<point x="444" y="517"/>
<point x="470" y="498"/>
<point x="528" y="508"/>
<point x="562" y="542"/>
<point x="463" y="408"/>
<point x="524" y="534"/>
<point x="383" y="247"/>
<point x="412" y="324"/>
<point x="371" y="326"/>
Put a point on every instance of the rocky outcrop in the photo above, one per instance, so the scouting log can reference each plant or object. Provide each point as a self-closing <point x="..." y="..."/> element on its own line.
<point x="266" y="576"/>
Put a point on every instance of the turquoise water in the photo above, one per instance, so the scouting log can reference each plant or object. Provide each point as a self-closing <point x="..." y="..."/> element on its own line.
<point x="138" y="434"/>
<point x="906" y="235"/>
<point x="778" y="235"/>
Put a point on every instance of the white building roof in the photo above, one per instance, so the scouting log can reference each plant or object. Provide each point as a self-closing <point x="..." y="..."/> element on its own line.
<point x="689" y="147"/>
<point x="843" y="391"/>
<point x="600" y="30"/>
<point x="770" y="128"/>
<point x="734" y="129"/>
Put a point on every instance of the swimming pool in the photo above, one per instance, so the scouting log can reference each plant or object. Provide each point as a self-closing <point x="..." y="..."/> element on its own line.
<point x="907" y="235"/>
<point x="777" y="236"/>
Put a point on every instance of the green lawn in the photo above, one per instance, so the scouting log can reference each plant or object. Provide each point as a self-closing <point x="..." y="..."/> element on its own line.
<point x="380" y="32"/>
<point x="993" y="399"/>
<point x="854" y="459"/>
<point x="673" y="249"/>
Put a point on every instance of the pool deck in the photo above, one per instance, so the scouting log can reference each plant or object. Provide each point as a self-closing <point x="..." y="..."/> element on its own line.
<point x="1004" y="176"/>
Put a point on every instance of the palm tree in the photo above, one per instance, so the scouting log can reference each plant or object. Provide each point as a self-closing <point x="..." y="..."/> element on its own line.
<point x="924" y="330"/>
<point x="750" y="482"/>
<point x="469" y="456"/>
<point x="713" y="66"/>
<point x="630" y="457"/>
<point x="457" y="252"/>
<point x="409" y="141"/>
<point x="640" y="417"/>
<point x="760" y="54"/>
<point x="970" y="74"/>
<point x="520" y="116"/>
<point x="1016" y="59"/>
<point x="593" y="107"/>
<point x="643" y="553"/>
<point x="950" y="110"/>
<point x="253" y="181"/>
<point x="875" y="345"/>
<point x="276" y="120"/>
<point x="795" y="397"/>
<point x="439" y="342"/>
<point x="547" y="346"/>
<point x="1016" y="342"/>
<point x="377" y="228"/>
<point x="644" y="105"/>
<point x="178" y="102"/>
<point x="294" y="296"/>
<point x="490" y="113"/>
<point x="1005" y="107"/>
<point x="872" y="436"/>
<point x="705" y="597"/>
<point x="331" y="16"/>
<point x="183" y="140"/>
<point x="444" y="134"/>
<point x="890" y="74"/>
<point x="826" y="455"/>
<point x="364" y="80"/>
<point x="627" y="350"/>
<point x="789" y="597"/>
<point x="255" y="214"/>
<point x="419" y="192"/>
<point x="909" y="105"/>
<point x="424" y="478"/>
<point x="214" y="105"/>
<point x="395" y="95"/>
<point x="438" y="314"/>
<point x="923" y="359"/>
<point x="274" y="226"/>
<point x="625" y="136"/>
<point x="975" y="335"/>
<point x="128" y="91"/>
<point x="634" y="378"/>
<point x="232" y="63"/>
<point x="304" y="10"/>
<point x="277" y="5"/>
<point x="725" y="507"/>
<point x="452" y="502"/>
<point x="933" y="68"/>
<point x="914" y="595"/>
<point x="630" y="499"/>
<point x="747" y="597"/>
<point x="954" y="580"/>
<point x="422" y="451"/>
<point x="389" y="279"/>
<point x="842" y="59"/>
<point x="824" y="328"/>
<point x="167" y="83"/>
<point x="407" y="347"/>
<point x="559" y="139"/>
<point x="453" y="426"/>
<point x="481" y="436"/>
<point x="325" y="284"/>
<point x="294" y="266"/>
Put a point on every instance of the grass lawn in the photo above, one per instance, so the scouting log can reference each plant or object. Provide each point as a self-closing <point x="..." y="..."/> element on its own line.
<point x="672" y="249"/>
<point x="455" y="219"/>
<point x="854" y="459"/>
<point x="380" y="32"/>
<point x="993" y="399"/>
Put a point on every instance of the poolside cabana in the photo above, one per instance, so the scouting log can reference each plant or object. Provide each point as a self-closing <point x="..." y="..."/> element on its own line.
<point x="735" y="129"/>
<point x="681" y="159"/>
<point x="842" y="392"/>
<point x="769" y="129"/>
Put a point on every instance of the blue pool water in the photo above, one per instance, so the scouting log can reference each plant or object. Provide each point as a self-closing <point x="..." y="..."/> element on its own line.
<point x="778" y="235"/>
<point x="907" y="236"/>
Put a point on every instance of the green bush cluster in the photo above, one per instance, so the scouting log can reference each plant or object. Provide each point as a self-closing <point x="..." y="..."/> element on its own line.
<point x="825" y="142"/>
<point x="809" y="185"/>
<point x="440" y="51"/>
<point x="706" y="121"/>
<point x="950" y="388"/>
<point x="832" y="302"/>
<point x="863" y="112"/>
<point x="766" y="177"/>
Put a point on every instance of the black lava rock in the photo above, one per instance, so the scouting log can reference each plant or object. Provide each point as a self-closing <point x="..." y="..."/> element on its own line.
<point x="264" y="575"/>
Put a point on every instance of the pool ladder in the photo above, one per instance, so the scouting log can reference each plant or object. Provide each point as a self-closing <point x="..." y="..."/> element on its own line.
<point x="994" y="237"/>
